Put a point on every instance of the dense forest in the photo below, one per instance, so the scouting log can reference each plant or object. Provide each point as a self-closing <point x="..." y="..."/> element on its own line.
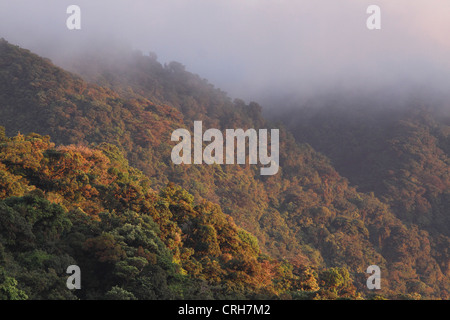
<point x="86" y="178"/>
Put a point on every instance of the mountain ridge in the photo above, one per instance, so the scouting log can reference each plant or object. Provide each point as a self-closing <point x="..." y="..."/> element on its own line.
<point x="307" y="213"/>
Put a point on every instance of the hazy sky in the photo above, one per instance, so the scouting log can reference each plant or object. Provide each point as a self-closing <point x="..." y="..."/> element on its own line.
<point x="254" y="47"/>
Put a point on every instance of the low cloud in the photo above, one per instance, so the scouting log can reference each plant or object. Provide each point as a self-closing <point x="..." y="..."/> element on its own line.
<point x="255" y="48"/>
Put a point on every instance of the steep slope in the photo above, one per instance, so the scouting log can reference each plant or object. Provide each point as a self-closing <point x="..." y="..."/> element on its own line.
<point x="75" y="205"/>
<point x="307" y="213"/>
<point x="399" y="151"/>
<point x="405" y="159"/>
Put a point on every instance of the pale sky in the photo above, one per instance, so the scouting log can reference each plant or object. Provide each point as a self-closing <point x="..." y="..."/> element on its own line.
<point x="254" y="47"/>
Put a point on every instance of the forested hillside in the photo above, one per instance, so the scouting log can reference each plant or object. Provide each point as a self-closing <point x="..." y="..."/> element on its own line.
<point x="312" y="228"/>
<point x="74" y="205"/>
<point x="401" y="152"/>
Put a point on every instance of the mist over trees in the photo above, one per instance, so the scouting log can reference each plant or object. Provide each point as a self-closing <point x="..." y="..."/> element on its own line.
<point x="357" y="186"/>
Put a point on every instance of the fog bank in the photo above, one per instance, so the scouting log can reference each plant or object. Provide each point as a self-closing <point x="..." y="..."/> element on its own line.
<point x="255" y="49"/>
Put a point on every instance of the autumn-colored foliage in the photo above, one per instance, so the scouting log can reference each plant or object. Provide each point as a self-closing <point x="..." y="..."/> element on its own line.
<point x="149" y="229"/>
